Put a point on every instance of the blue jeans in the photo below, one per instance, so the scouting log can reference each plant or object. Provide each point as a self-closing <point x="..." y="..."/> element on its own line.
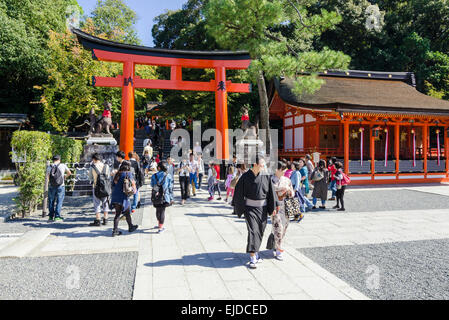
<point x="55" y="199"/>
<point x="193" y="178"/>
<point x="333" y="187"/>
<point x="323" y="202"/>
<point x="135" y="200"/>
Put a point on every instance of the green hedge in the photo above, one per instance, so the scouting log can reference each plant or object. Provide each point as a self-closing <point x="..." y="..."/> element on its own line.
<point x="36" y="148"/>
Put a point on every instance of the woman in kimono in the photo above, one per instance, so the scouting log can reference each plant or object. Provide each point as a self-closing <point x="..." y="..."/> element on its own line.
<point x="320" y="178"/>
<point x="255" y="198"/>
<point x="280" y="220"/>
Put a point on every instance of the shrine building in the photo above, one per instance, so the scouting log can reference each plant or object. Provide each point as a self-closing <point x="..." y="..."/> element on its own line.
<point x="380" y="127"/>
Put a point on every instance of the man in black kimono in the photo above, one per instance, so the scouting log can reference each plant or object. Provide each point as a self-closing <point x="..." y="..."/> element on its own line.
<point x="255" y="198"/>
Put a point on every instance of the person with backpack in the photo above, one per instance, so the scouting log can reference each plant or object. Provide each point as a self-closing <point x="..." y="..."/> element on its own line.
<point x="56" y="189"/>
<point x="124" y="187"/>
<point x="140" y="178"/>
<point x="99" y="175"/>
<point x="160" y="195"/>
<point x="342" y="181"/>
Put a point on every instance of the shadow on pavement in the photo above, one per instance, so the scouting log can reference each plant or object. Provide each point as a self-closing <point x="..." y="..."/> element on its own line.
<point x="221" y="260"/>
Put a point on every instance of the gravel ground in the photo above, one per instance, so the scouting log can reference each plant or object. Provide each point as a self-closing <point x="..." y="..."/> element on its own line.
<point x="388" y="200"/>
<point x="76" y="277"/>
<point x="76" y="211"/>
<point x="390" y="271"/>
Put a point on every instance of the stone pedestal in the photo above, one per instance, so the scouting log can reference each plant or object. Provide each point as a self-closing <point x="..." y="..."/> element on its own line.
<point x="103" y="144"/>
<point x="246" y="150"/>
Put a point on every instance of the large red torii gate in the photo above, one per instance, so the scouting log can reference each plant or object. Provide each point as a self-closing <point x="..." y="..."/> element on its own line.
<point x="130" y="55"/>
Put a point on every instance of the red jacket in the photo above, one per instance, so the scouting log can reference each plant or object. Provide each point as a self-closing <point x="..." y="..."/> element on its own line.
<point x="217" y="169"/>
<point x="245" y="117"/>
<point x="332" y="170"/>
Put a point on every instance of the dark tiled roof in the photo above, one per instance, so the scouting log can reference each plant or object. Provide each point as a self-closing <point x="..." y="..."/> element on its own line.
<point x="11" y="120"/>
<point x="363" y="93"/>
<point x="91" y="42"/>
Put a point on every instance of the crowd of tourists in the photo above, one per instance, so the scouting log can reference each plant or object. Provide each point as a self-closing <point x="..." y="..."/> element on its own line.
<point x="252" y="192"/>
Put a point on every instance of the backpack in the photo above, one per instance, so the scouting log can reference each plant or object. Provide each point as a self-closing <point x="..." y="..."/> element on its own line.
<point x="158" y="193"/>
<point x="56" y="177"/>
<point x="140" y="175"/>
<point x="102" y="188"/>
<point x="128" y="189"/>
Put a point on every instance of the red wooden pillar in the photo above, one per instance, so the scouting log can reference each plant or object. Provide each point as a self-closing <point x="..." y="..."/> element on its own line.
<point x="396" y="145"/>
<point x="425" y="129"/>
<point x="221" y="113"/>
<point x="127" y="118"/>
<point x="371" y="150"/>
<point x="446" y="146"/>
<point x="346" y="139"/>
<point x="317" y="136"/>
<point x="340" y="138"/>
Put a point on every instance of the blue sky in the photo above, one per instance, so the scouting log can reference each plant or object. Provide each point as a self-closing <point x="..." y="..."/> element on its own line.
<point x="146" y="11"/>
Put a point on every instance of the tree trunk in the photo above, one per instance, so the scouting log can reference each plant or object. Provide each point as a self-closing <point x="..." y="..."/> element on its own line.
<point x="264" y="112"/>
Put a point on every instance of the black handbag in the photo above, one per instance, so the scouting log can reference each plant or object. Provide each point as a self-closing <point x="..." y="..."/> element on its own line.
<point x="270" y="242"/>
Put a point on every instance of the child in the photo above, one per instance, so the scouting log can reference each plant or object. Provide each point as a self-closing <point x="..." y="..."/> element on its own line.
<point x="211" y="178"/>
<point x="212" y="182"/>
<point x="229" y="189"/>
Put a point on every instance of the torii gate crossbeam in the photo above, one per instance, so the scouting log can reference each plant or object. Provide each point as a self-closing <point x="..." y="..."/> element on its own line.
<point x="130" y="55"/>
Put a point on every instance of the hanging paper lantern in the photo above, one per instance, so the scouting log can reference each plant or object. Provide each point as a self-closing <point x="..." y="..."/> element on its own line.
<point x="403" y="136"/>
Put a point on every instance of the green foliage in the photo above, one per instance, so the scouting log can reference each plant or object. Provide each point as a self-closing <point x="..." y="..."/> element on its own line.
<point x="68" y="96"/>
<point x="24" y="28"/>
<point x="116" y="20"/>
<point x="70" y="150"/>
<point x="414" y="37"/>
<point x="278" y="35"/>
<point x="36" y="148"/>
<point x="185" y="29"/>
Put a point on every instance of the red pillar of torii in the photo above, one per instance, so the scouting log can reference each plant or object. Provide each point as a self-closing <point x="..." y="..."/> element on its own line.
<point x="130" y="55"/>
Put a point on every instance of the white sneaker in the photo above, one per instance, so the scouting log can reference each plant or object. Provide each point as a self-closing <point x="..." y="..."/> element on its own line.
<point x="279" y="255"/>
<point x="252" y="265"/>
<point x="258" y="258"/>
<point x="161" y="230"/>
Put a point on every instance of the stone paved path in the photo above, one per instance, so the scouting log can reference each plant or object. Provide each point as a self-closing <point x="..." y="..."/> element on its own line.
<point x="201" y="254"/>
